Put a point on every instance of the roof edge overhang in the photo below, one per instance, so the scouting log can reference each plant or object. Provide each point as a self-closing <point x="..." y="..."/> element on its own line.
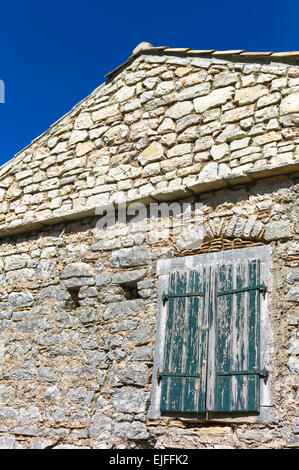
<point x="239" y="54"/>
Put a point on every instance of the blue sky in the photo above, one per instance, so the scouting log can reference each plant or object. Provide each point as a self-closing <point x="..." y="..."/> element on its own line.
<point x="53" y="54"/>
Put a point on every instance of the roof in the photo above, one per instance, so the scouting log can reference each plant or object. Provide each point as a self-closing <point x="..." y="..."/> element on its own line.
<point x="146" y="47"/>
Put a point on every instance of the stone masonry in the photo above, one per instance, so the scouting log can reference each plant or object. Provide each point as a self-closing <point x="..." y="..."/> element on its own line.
<point x="78" y="303"/>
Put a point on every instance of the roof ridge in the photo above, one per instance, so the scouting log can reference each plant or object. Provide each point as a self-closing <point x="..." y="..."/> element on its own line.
<point x="146" y="47"/>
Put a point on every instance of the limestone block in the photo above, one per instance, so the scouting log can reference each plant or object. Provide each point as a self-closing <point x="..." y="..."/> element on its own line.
<point x="141" y="354"/>
<point x="5" y="393"/>
<point x="131" y="400"/>
<point x="100" y="427"/>
<point x="20" y="299"/>
<point x="129" y="277"/>
<point x="106" y="112"/>
<point x="124" y="93"/>
<point x="289" y="120"/>
<point x="130" y="106"/>
<point x="190" y="134"/>
<point x="135" y="430"/>
<point x="52" y="394"/>
<point x="124" y="325"/>
<point x="30" y="430"/>
<point x="15" y="262"/>
<point x="141" y="336"/>
<point x="293" y="296"/>
<point x="166" y="126"/>
<point x="83" y="121"/>
<point x="178" y="150"/>
<point x="79" y="396"/>
<point x="151" y="169"/>
<point x="239" y="144"/>
<point x="193" y="78"/>
<point x="219" y="151"/>
<point x="224" y="79"/>
<point x="7" y="442"/>
<point x="267" y="113"/>
<point x="215" y="98"/>
<point x="179" y="110"/>
<point x="78" y="136"/>
<point x="7" y="412"/>
<point x="25" y="372"/>
<point x="150" y="83"/>
<point x="278" y="230"/>
<point x="236" y="114"/>
<point x="76" y="270"/>
<point x="60" y="148"/>
<point x="267" y="138"/>
<point x="134" y="374"/>
<point x="46" y="270"/>
<point x="268" y="100"/>
<point x="154" y="152"/>
<point x="194" y="91"/>
<point x="203" y="143"/>
<point x="187" y="121"/>
<point x="103" y="279"/>
<point x="250" y="94"/>
<point x="96" y="358"/>
<point x="293" y="277"/>
<point x="47" y="374"/>
<point x="140" y="129"/>
<point x="230" y="133"/>
<point x="290" y="104"/>
<point x="164" y="88"/>
<point x="209" y="171"/>
<point x="84" y="147"/>
<point x="116" y="135"/>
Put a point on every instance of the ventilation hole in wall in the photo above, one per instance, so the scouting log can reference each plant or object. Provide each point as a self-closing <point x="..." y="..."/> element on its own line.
<point x="74" y="293"/>
<point x="130" y="291"/>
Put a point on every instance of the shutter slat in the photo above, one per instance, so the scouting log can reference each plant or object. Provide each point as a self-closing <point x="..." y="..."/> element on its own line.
<point x="223" y="337"/>
<point x="254" y="335"/>
<point x="237" y="338"/>
<point x="185" y="344"/>
<point x="240" y="343"/>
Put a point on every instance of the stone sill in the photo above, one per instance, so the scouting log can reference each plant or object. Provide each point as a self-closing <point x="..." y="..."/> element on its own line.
<point x="168" y="194"/>
<point x="267" y="415"/>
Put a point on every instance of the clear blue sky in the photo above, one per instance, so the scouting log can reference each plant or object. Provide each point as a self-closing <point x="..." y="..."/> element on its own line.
<point x="54" y="53"/>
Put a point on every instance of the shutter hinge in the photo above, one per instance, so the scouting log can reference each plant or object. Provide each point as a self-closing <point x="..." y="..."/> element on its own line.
<point x="162" y="374"/>
<point x="261" y="373"/>
<point x="264" y="374"/>
<point x="263" y="289"/>
<point x="166" y="297"/>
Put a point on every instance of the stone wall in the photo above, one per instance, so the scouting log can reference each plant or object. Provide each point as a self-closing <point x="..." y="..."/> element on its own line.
<point x="76" y="369"/>
<point x="78" y="304"/>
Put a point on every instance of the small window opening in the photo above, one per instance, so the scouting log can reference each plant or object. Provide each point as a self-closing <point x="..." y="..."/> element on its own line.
<point x="74" y="293"/>
<point x="130" y="291"/>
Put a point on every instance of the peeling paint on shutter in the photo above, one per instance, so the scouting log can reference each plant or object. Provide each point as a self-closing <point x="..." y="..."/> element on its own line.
<point x="185" y="354"/>
<point x="236" y="324"/>
<point x="212" y="351"/>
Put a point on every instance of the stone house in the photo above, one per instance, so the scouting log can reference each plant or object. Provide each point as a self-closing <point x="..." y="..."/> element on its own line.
<point x="149" y="260"/>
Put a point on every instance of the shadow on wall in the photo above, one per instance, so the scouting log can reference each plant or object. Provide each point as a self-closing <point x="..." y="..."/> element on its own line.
<point x="243" y="212"/>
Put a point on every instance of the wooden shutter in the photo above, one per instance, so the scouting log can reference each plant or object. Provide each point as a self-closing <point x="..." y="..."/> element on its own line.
<point x="235" y="318"/>
<point x="185" y="352"/>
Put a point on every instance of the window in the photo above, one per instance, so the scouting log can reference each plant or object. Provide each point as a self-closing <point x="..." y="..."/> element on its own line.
<point x="212" y="352"/>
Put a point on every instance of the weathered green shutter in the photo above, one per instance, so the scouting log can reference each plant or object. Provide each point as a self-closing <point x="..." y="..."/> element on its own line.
<point x="185" y="352"/>
<point x="236" y="326"/>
